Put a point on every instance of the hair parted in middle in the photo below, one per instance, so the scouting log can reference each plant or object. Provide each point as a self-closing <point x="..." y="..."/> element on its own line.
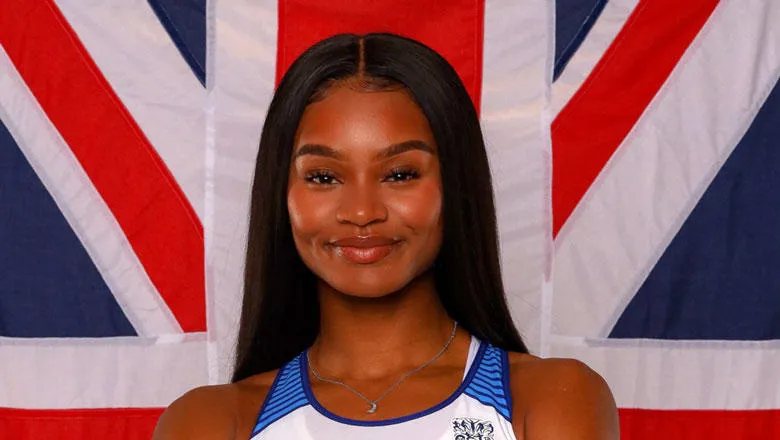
<point x="280" y="312"/>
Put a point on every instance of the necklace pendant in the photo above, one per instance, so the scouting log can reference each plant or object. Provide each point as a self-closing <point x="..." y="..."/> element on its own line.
<point x="371" y="410"/>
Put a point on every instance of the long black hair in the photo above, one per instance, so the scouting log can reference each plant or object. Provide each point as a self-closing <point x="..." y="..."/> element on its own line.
<point x="280" y="313"/>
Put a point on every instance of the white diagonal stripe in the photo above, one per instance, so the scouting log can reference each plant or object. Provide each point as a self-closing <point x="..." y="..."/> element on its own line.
<point x="639" y="201"/>
<point x="81" y="205"/>
<point x="599" y="38"/>
<point x="143" y="66"/>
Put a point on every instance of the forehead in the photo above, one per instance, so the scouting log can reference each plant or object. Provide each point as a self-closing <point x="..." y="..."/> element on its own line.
<point x="356" y="119"/>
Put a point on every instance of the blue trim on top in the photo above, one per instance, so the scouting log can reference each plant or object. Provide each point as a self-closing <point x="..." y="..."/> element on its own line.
<point x="507" y="389"/>
<point x="285" y="396"/>
<point x="262" y="411"/>
<point x="490" y="385"/>
<point x="324" y="411"/>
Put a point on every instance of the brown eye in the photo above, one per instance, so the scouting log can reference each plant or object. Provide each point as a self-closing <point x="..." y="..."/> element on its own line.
<point x="320" y="178"/>
<point x="402" y="175"/>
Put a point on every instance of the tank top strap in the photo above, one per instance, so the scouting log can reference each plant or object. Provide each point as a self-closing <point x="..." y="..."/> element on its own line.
<point x="285" y="396"/>
<point x="472" y="355"/>
<point x="489" y="381"/>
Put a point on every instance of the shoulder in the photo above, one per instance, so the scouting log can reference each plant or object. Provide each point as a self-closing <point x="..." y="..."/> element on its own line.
<point x="560" y="398"/>
<point x="553" y="376"/>
<point x="215" y="411"/>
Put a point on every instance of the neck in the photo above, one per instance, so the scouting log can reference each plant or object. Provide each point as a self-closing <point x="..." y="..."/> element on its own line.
<point x="372" y="338"/>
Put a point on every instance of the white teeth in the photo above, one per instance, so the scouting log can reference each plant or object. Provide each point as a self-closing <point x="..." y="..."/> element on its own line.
<point x="339" y="251"/>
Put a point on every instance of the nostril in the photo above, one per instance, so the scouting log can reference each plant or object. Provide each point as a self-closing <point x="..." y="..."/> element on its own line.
<point x="362" y="213"/>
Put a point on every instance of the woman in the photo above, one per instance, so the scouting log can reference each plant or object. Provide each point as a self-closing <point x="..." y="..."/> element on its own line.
<point x="373" y="305"/>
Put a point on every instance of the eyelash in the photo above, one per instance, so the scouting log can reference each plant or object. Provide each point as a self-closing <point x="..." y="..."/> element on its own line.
<point x="409" y="173"/>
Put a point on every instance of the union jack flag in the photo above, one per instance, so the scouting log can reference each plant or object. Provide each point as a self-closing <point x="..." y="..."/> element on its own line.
<point x="102" y="163"/>
<point x="634" y="151"/>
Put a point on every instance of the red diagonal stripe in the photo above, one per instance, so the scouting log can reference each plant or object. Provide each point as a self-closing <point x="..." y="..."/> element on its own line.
<point x="598" y="117"/>
<point x="151" y="209"/>
<point x="453" y="28"/>
<point x="646" y="424"/>
<point x="79" y="424"/>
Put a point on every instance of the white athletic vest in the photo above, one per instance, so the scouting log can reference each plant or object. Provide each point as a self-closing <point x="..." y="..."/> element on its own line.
<point x="480" y="409"/>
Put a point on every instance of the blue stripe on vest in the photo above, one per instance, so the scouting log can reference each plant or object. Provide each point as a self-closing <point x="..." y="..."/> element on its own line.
<point x="286" y="395"/>
<point x="490" y="383"/>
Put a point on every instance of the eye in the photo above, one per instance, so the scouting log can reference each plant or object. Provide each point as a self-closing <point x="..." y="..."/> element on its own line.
<point x="402" y="175"/>
<point x="320" y="177"/>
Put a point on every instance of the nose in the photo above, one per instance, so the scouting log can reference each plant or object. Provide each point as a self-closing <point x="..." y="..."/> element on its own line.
<point x="361" y="204"/>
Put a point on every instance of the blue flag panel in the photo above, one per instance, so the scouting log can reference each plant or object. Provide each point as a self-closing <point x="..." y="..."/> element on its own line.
<point x="185" y="22"/>
<point x="720" y="276"/>
<point x="50" y="287"/>
<point x="573" y="21"/>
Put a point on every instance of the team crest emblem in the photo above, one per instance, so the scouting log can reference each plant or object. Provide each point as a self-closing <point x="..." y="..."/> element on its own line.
<point x="472" y="429"/>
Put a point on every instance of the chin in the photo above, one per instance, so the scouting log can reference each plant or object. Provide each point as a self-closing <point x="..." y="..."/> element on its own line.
<point x="358" y="289"/>
<point x="367" y="286"/>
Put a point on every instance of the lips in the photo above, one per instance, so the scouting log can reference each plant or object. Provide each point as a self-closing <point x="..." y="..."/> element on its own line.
<point x="364" y="242"/>
<point x="364" y="250"/>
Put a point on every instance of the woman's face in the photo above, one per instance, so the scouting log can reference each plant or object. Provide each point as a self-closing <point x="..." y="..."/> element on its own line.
<point x="364" y="192"/>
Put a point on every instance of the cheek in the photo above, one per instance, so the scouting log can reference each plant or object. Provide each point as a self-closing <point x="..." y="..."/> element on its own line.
<point x="421" y="211"/>
<point x="307" y="213"/>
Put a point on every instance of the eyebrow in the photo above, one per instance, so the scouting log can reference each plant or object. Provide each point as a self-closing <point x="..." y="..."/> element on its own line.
<point x="385" y="153"/>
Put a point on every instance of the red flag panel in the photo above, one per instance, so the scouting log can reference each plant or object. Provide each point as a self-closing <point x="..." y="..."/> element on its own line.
<point x="644" y="424"/>
<point x="454" y="30"/>
<point x="132" y="179"/>
<point x="600" y="115"/>
<point x="79" y="424"/>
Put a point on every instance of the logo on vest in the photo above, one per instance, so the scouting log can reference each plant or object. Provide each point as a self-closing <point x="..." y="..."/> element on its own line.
<point x="472" y="429"/>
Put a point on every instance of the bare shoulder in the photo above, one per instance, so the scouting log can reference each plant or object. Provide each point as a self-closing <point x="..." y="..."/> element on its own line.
<point x="560" y="398"/>
<point x="553" y="375"/>
<point x="215" y="411"/>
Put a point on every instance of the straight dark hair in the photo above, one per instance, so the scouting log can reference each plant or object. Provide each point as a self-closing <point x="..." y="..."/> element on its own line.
<point x="280" y="313"/>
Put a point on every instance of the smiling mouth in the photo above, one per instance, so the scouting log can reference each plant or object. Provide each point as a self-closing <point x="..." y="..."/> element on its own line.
<point x="364" y="255"/>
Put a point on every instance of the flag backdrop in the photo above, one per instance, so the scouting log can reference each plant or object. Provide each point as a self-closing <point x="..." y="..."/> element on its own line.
<point x="634" y="145"/>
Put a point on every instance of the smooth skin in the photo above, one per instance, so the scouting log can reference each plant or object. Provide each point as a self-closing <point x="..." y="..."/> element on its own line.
<point x="355" y="172"/>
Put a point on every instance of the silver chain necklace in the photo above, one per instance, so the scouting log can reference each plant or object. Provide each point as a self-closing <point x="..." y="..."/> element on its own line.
<point x="374" y="402"/>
